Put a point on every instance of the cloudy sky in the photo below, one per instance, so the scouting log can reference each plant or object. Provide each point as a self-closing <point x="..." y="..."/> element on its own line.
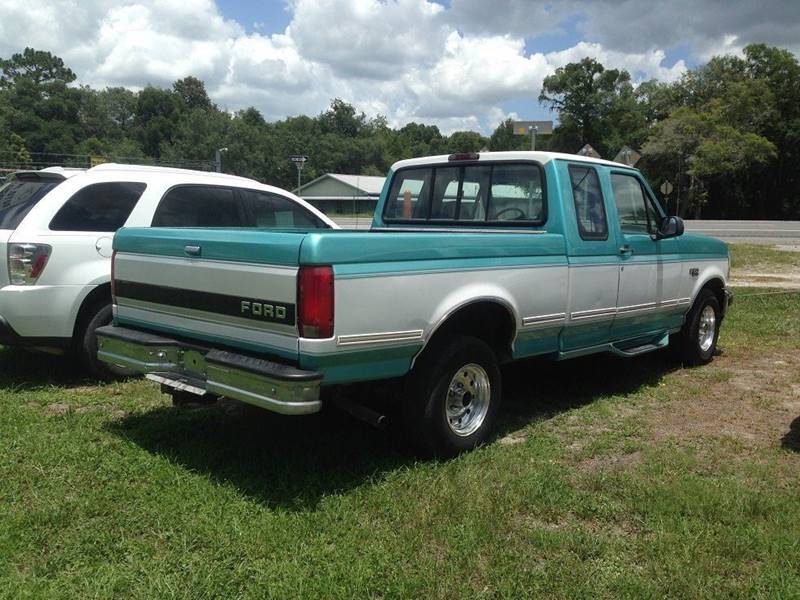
<point x="461" y="64"/>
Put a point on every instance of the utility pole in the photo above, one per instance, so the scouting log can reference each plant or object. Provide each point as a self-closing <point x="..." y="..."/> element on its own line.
<point x="533" y="129"/>
<point x="218" y="158"/>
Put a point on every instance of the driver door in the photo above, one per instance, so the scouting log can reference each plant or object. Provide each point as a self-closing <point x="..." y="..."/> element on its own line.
<point x="649" y="269"/>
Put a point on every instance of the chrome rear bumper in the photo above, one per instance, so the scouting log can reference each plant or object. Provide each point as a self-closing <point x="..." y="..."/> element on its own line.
<point x="280" y="388"/>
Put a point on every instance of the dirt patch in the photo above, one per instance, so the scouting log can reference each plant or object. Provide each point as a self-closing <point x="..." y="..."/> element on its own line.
<point x="512" y="439"/>
<point x="57" y="409"/>
<point x="612" y="462"/>
<point x="789" y="281"/>
<point x="753" y="406"/>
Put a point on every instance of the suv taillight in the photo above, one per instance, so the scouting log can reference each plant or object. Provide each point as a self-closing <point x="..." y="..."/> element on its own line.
<point x="315" y="302"/>
<point x="26" y="262"/>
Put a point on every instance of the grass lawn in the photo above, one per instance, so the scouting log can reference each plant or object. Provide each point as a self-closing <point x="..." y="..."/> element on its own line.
<point x="609" y="478"/>
<point x="756" y="257"/>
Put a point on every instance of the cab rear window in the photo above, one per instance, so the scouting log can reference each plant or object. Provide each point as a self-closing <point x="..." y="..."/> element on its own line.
<point x="19" y="195"/>
<point x="495" y="193"/>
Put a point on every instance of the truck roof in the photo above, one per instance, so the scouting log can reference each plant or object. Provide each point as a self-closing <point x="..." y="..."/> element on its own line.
<point x="541" y="157"/>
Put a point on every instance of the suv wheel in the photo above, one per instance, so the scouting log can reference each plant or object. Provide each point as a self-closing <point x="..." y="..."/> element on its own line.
<point x="86" y="346"/>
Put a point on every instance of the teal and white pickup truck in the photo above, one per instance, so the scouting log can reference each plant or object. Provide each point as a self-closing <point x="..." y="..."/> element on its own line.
<point x="473" y="260"/>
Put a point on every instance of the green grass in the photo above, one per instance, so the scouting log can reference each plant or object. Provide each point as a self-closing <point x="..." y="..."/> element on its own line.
<point x="596" y="487"/>
<point x="755" y="257"/>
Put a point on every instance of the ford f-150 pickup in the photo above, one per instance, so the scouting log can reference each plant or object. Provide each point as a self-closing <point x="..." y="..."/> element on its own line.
<point x="473" y="260"/>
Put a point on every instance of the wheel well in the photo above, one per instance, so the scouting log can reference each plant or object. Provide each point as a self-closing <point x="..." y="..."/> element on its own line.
<point x="718" y="288"/>
<point x="488" y="321"/>
<point x="98" y="296"/>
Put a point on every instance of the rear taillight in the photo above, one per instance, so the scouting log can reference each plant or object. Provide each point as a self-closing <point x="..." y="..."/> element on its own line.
<point x="26" y="262"/>
<point x="315" y="302"/>
<point x="113" y="287"/>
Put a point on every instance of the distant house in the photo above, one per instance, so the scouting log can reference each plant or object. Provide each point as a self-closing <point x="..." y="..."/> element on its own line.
<point x="337" y="193"/>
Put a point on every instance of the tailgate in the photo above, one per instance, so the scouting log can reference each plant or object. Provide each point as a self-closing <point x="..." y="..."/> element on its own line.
<point x="235" y="288"/>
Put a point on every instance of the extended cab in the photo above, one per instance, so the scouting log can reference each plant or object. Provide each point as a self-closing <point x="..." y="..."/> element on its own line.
<point x="473" y="260"/>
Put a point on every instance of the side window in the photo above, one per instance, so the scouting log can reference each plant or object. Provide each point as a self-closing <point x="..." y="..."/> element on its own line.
<point x="199" y="206"/>
<point x="633" y="209"/>
<point x="474" y="193"/>
<point x="272" y="210"/>
<point x="98" y="207"/>
<point x="445" y="193"/>
<point x="408" y="198"/>
<point x="589" y="207"/>
<point x="517" y="193"/>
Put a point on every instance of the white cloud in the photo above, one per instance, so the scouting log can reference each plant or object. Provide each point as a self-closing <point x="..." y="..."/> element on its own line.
<point x="408" y="59"/>
<point x="645" y="65"/>
<point x="368" y="38"/>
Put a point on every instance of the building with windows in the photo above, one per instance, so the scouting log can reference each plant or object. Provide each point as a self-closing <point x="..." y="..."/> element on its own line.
<point x="335" y="193"/>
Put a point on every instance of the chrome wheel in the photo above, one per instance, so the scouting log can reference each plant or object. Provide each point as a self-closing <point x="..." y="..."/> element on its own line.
<point x="468" y="397"/>
<point x="707" y="328"/>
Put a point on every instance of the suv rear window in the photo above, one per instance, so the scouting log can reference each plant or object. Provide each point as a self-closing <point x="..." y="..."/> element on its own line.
<point x="507" y="193"/>
<point x="98" y="207"/>
<point x="20" y="195"/>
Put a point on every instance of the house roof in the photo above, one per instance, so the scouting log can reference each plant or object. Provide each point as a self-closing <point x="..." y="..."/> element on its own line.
<point x="364" y="184"/>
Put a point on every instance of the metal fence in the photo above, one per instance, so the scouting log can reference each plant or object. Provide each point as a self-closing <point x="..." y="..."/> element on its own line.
<point x="11" y="162"/>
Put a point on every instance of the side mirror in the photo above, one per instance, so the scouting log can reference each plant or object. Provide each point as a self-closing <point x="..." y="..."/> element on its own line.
<point x="670" y="227"/>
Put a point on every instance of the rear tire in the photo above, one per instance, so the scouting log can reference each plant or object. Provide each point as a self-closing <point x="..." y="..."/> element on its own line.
<point x="453" y="396"/>
<point x="697" y="341"/>
<point x="86" y="346"/>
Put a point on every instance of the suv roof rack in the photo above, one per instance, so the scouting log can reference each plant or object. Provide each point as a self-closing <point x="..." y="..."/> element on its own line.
<point x="157" y="169"/>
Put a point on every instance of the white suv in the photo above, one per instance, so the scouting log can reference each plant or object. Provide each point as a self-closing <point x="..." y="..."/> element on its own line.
<point x="56" y="230"/>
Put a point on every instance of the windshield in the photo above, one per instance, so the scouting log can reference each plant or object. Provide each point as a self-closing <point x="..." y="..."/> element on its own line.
<point x="20" y="195"/>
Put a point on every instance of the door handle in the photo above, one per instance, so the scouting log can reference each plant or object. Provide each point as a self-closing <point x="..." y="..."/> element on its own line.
<point x="192" y="250"/>
<point x="625" y="250"/>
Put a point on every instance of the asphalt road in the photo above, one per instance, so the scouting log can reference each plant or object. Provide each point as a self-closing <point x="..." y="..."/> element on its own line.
<point x="754" y="232"/>
<point x="757" y="232"/>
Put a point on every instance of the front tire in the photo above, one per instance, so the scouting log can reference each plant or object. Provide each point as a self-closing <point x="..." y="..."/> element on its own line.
<point x="453" y="396"/>
<point x="697" y="341"/>
<point x="86" y="347"/>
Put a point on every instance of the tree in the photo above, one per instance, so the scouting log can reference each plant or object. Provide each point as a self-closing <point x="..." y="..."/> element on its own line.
<point x="156" y="119"/>
<point x="342" y="118"/>
<point x="707" y="147"/>
<point x="12" y="148"/>
<point x="39" y="105"/>
<point x="464" y="141"/>
<point x="595" y="106"/>
<point x="733" y="129"/>
<point x="192" y="94"/>
<point x="35" y="66"/>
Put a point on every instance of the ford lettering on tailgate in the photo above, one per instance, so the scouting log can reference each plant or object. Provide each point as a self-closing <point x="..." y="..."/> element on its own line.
<point x="235" y="306"/>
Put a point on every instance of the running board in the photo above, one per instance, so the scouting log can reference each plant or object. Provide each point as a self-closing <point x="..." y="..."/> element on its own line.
<point x="650" y="346"/>
<point x="643" y="349"/>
